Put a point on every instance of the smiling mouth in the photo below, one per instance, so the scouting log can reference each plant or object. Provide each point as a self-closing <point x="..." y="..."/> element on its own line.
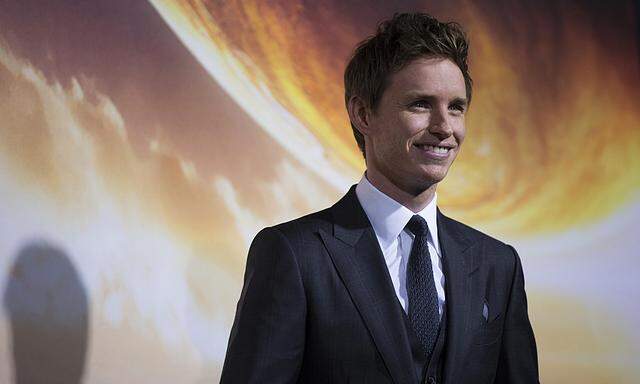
<point x="433" y="148"/>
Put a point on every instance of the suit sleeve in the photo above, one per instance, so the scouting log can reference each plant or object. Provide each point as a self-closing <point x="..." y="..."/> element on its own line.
<point x="518" y="356"/>
<point x="268" y="334"/>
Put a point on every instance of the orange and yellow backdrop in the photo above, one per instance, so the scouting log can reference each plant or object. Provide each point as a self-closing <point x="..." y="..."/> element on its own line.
<point x="143" y="144"/>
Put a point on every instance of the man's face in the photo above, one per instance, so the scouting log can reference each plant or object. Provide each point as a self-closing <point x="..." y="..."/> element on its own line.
<point x="416" y="130"/>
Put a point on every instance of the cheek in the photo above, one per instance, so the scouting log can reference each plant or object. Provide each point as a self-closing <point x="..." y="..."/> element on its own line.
<point x="398" y="133"/>
<point x="407" y="129"/>
<point x="460" y="132"/>
<point x="413" y="124"/>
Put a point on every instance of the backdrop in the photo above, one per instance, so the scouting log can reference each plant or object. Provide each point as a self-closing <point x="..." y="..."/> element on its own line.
<point x="143" y="144"/>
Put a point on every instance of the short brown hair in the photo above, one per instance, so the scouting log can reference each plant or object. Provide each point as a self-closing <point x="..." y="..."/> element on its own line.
<point x="399" y="40"/>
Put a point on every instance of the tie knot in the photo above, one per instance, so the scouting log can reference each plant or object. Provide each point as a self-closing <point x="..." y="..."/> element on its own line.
<point x="418" y="226"/>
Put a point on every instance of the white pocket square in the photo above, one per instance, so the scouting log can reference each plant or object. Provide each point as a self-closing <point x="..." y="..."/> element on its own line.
<point x="485" y="311"/>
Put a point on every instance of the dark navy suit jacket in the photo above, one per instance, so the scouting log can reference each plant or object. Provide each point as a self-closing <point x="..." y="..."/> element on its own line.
<point x="318" y="306"/>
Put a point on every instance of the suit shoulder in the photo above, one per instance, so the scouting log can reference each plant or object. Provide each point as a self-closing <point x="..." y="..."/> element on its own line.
<point x="310" y="222"/>
<point x="476" y="235"/>
<point x="492" y="251"/>
<point x="298" y="231"/>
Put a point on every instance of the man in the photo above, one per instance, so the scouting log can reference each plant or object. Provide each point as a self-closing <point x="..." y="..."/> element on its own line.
<point x="382" y="287"/>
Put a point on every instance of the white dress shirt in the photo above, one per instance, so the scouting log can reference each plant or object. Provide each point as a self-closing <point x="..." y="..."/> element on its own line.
<point x="389" y="218"/>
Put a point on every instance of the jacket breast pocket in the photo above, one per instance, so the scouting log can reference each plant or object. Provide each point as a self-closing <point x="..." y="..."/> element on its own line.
<point x="488" y="333"/>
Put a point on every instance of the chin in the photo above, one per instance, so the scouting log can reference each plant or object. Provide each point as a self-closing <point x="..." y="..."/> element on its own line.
<point x="433" y="176"/>
<point x="422" y="182"/>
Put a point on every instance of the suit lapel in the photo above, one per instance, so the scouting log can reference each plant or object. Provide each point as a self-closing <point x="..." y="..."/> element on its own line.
<point x="459" y="261"/>
<point x="355" y="252"/>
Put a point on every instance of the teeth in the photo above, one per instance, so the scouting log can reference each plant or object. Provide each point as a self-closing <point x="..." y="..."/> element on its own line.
<point x="432" y="148"/>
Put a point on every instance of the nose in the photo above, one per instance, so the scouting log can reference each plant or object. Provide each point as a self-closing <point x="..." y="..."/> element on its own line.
<point x="439" y="125"/>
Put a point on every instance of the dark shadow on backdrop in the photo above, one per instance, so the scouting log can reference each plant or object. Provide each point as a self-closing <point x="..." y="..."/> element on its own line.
<point x="47" y="305"/>
<point x="637" y="4"/>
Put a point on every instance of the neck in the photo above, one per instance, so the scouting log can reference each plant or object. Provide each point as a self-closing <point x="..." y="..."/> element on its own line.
<point x="416" y="201"/>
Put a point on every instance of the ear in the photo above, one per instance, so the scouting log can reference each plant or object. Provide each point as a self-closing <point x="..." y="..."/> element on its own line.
<point x="359" y="114"/>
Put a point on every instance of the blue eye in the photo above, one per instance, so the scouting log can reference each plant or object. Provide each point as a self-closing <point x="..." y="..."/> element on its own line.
<point x="420" y="104"/>
<point x="457" y="107"/>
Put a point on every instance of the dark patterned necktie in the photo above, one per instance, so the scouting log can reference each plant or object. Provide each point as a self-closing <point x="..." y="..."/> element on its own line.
<point x="421" y="289"/>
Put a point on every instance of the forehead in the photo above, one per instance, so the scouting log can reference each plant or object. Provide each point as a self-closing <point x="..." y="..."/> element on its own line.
<point x="432" y="76"/>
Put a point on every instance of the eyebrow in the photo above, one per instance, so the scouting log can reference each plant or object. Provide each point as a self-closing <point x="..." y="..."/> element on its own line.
<point x="460" y="101"/>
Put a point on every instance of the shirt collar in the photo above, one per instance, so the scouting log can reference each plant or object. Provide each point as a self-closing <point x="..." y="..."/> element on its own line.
<point x="388" y="217"/>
